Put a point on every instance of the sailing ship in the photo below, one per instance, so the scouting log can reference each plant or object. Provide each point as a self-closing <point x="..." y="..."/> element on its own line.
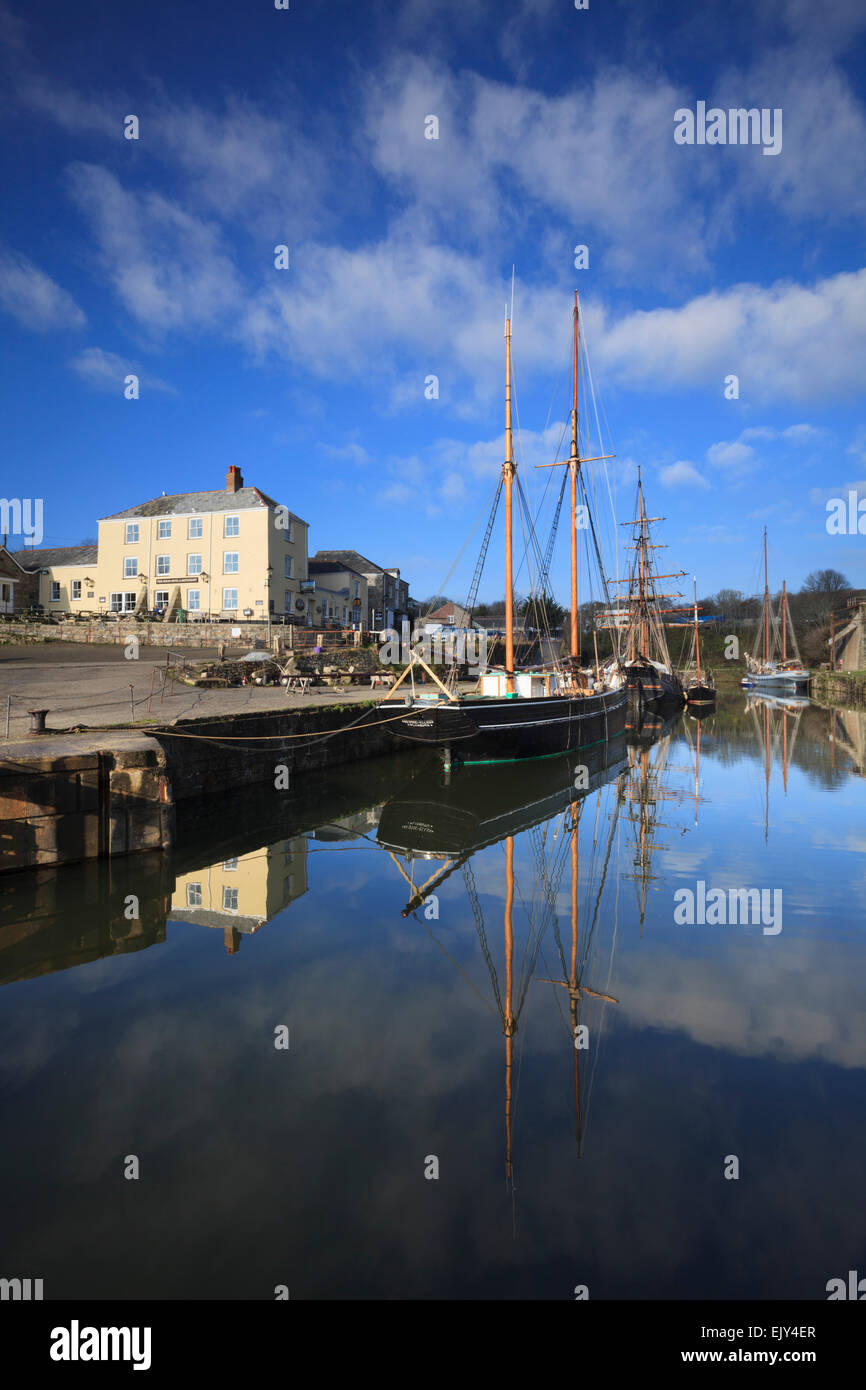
<point x="538" y="712"/>
<point x="649" y="672"/>
<point x="699" y="688"/>
<point x="773" y="669"/>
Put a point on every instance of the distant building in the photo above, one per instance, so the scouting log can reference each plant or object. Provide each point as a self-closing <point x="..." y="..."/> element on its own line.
<point x="387" y="593"/>
<point x="449" y="615"/>
<point x="341" y="594"/>
<point x="19" y="584"/>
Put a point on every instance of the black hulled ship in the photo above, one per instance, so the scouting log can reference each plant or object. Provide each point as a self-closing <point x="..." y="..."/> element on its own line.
<point x="532" y="713"/>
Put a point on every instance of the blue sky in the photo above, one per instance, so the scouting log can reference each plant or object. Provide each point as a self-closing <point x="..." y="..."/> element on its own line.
<point x="305" y="127"/>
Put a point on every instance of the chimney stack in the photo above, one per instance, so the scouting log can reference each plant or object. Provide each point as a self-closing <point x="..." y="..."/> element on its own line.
<point x="234" y="480"/>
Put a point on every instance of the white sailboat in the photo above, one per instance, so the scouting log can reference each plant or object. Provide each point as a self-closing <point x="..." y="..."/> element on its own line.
<point x="775" y="665"/>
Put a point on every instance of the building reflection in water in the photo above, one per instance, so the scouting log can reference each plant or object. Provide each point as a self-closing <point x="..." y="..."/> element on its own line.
<point x="239" y="895"/>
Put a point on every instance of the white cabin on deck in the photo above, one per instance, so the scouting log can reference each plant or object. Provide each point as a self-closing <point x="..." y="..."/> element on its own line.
<point x="527" y="684"/>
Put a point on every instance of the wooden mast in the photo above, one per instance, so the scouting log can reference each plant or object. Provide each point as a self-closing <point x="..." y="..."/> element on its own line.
<point x="766" y="605"/>
<point x="784" y="621"/>
<point x="574" y="465"/>
<point x="641" y="555"/>
<point x="508" y="470"/>
<point x="697" y="638"/>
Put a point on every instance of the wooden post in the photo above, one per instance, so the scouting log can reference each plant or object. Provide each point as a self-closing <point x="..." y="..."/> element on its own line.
<point x="832" y="641"/>
<point x="8" y="714"/>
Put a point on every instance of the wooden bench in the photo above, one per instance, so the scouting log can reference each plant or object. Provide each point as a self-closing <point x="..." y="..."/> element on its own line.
<point x="381" y="679"/>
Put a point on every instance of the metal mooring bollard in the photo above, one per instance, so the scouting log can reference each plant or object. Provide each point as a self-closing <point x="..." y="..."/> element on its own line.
<point x="37" y="721"/>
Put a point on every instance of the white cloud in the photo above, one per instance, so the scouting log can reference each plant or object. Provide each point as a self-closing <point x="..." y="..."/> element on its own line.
<point x="352" y="453"/>
<point x="785" y="342"/>
<point x="733" y="455"/>
<point x="168" y="268"/>
<point x="107" y="371"/>
<point x="33" y="298"/>
<point x="682" y="473"/>
<point x="601" y="159"/>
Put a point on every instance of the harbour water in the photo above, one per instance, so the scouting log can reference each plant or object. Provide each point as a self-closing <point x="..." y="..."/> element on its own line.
<point x="535" y="1081"/>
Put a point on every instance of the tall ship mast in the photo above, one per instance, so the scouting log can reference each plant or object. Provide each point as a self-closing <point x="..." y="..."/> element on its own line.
<point x="640" y="618"/>
<point x="532" y="712"/>
<point x="699" y="685"/>
<point x="774" y="664"/>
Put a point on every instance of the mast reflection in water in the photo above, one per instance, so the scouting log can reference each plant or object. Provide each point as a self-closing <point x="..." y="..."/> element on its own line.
<point x="435" y="952"/>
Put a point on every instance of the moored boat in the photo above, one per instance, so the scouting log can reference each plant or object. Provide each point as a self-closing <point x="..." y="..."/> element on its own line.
<point x="520" y="714"/>
<point x="775" y="669"/>
<point x="646" y="664"/>
<point x="699" y="687"/>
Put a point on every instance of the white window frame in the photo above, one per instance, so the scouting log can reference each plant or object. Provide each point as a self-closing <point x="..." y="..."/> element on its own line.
<point x="163" y="565"/>
<point x="230" y="607"/>
<point x="163" y="531"/>
<point x="132" y="527"/>
<point x="230" y="865"/>
<point x="231" y="555"/>
<point x="161" y="598"/>
<point x="287" y="600"/>
<point x="115" y="601"/>
<point x="231" y="527"/>
<point x="55" y="591"/>
<point x="76" y="588"/>
<point x="130" y="600"/>
<point x="194" y="555"/>
<point x="193" y="895"/>
<point x="289" y="566"/>
<point x="130" y="566"/>
<point x="230" y="898"/>
<point x="193" y="600"/>
<point x="191" y="533"/>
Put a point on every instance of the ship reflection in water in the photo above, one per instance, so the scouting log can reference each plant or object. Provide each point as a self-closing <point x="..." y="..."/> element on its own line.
<point x="484" y="971"/>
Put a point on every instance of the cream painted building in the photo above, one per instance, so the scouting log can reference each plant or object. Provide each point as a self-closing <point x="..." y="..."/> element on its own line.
<point x="341" y="595"/>
<point x="232" y="553"/>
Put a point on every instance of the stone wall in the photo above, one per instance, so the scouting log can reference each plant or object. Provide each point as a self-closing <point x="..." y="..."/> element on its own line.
<point x="190" y="635"/>
<point x="63" y="801"/>
<point x="207" y="756"/>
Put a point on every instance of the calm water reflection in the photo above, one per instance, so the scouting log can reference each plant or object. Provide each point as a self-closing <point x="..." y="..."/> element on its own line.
<point x="445" y="1026"/>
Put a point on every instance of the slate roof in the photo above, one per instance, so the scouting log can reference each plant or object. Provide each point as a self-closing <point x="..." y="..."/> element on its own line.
<point x="328" y="567"/>
<point x="217" y="500"/>
<point x="64" y="555"/>
<point x="347" y="559"/>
